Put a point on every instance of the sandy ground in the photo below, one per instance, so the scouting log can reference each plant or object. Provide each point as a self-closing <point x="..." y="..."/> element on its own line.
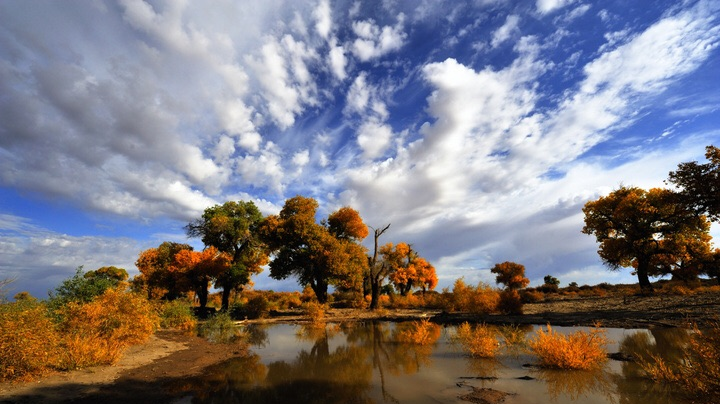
<point x="144" y="372"/>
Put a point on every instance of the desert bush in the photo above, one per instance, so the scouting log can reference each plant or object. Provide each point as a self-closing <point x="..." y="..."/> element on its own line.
<point x="697" y="372"/>
<point x="315" y="311"/>
<point x="578" y="350"/>
<point x="480" y="341"/>
<point x="178" y="315"/>
<point x="482" y="299"/>
<point x="349" y="300"/>
<point x="531" y="296"/>
<point x="220" y="328"/>
<point x="97" y="332"/>
<point x="423" y="332"/>
<point x="510" y="302"/>
<point x="79" y="289"/>
<point x="29" y="341"/>
<point x="257" y="307"/>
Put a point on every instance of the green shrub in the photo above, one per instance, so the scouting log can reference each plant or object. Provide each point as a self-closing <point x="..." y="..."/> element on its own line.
<point x="177" y="315"/>
<point x="220" y="328"/>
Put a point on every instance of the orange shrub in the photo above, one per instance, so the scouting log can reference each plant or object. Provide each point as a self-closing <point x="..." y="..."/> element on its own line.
<point x="423" y="332"/>
<point x="479" y="342"/>
<point x="510" y="302"/>
<point x="482" y="299"/>
<point x="315" y="311"/>
<point x="578" y="350"/>
<point x="97" y="332"/>
<point x="28" y="340"/>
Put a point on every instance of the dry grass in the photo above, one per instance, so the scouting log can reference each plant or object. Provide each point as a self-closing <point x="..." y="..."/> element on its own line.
<point x="578" y="350"/>
<point x="480" y="341"/>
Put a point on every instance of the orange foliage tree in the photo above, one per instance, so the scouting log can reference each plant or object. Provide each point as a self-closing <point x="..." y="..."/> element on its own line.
<point x="408" y="270"/>
<point x="510" y="274"/>
<point x="199" y="268"/>
<point x="155" y="277"/>
<point x="319" y="254"/>
<point x="640" y="229"/>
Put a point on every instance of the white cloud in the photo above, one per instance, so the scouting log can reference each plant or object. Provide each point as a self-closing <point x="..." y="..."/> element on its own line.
<point x="505" y="32"/>
<point x="323" y="23"/>
<point x="374" y="138"/>
<point x="301" y="158"/>
<point x="39" y="259"/>
<point x="547" y="6"/>
<point x="373" y="41"/>
<point x="338" y="61"/>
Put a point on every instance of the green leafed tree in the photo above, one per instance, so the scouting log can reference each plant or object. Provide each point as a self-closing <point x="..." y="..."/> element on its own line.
<point x="233" y="228"/>
<point x="641" y="229"/>
<point x="318" y="254"/>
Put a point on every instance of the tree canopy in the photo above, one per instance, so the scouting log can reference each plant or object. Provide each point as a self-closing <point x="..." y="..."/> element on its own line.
<point x="642" y="229"/>
<point x="510" y="274"/>
<point x="408" y="270"/>
<point x="700" y="183"/>
<point x="233" y="228"/>
<point x="318" y="254"/>
<point x="156" y="277"/>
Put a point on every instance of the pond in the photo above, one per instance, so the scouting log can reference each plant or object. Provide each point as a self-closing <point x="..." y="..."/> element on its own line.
<point x="367" y="363"/>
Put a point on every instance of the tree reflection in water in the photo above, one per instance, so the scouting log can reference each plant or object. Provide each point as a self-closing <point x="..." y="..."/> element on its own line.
<point x="634" y="386"/>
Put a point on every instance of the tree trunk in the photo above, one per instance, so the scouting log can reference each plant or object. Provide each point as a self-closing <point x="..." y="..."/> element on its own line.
<point x="375" y="292"/>
<point x="642" y="274"/>
<point x="226" y="297"/>
<point x="320" y="288"/>
<point x="202" y="294"/>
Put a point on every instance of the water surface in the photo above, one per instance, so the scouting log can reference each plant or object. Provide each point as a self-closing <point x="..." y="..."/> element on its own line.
<point x="368" y="363"/>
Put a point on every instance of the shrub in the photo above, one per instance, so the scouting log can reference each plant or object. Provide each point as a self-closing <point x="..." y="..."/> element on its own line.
<point x="482" y="299"/>
<point x="697" y="372"/>
<point x="220" y="328"/>
<point x="532" y="296"/>
<point x="510" y="302"/>
<point x="423" y="332"/>
<point x="257" y="307"/>
<point x="479" y="342"/>
<point x="177" y="315"/>
<point x="578" y="350"/>
<point x="29" y="341"/>
<point x="97" y="332"/>
<point x="315" y="311"/>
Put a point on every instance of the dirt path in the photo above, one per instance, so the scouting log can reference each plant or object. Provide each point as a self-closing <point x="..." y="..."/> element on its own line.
<point x="169" y="357"/>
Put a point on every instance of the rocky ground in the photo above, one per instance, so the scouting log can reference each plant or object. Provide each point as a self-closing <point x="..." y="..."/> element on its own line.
<point x="169" y="356"/>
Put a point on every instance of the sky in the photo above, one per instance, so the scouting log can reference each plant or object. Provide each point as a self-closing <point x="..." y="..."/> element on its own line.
<point x="476" y="129"/>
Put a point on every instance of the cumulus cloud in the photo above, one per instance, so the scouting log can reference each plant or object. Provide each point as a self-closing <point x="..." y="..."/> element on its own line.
<point x="373" y="41"/>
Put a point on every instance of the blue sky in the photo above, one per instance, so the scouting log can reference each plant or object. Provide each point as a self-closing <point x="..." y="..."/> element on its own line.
<point x="478" y="129"/>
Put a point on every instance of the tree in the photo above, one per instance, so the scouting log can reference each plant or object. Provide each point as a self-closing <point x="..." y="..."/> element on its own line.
<point x="700" y="183"/>
<point x="233" y="228"/>
<point x="408" y="269"/>
<point x="80" y="288"/>
<point x="551" y="280"/>
<point x="199" y="269"/>
<point x="378" y="270"/>
<point x="156" y="278"/>
<point x="510" y="274"/>
<point x="319" y="254"/>
<point x="111" y="272"/>
<point x="636" y="228"/>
